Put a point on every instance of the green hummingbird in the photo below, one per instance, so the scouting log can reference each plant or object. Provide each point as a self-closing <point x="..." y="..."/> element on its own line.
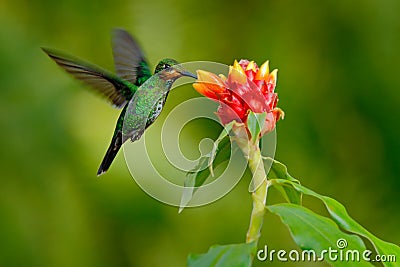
<point x="133" y="88"/>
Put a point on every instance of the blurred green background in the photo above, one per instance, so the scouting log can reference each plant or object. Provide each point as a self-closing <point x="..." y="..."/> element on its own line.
<point x="338" y="84"/>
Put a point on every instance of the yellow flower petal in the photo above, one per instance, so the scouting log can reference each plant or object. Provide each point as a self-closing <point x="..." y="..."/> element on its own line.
<point x="237" y="73"/>
<point x="263" y="72"/>
<point x="223" y="77"/>
<point x="237" y="68"/>
<point x="278" y="113"/>
<point x="237" y="76"/>
<point x="209" y="77"/>
<point x="251" y="66"/>
<point x="273" y="76"/>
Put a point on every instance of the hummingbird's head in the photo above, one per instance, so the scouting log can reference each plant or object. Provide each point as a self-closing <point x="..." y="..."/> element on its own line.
<point x="170" y="69"/>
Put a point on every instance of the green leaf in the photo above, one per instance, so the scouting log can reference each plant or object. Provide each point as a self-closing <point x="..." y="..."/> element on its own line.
<point x="342" y="218"/>
<point x="236" y="255"/>
<point x="255" y="123"/>
<point x="217" y="147"/>
<point x="279" y="170"/>
<point x="197" y="177"/>
<point x="315" y="233"/>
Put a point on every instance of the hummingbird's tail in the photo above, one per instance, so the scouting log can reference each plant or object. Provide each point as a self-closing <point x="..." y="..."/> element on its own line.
<point x="112" y="151"/>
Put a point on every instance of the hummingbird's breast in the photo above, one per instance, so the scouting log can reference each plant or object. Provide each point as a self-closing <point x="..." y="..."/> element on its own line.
<point x="157" y="110"/>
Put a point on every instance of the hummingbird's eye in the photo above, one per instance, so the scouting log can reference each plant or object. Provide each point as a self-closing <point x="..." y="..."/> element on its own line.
<point x="166" y="66"/>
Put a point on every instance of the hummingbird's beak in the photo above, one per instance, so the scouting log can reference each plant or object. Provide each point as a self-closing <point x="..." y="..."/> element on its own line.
<point x="189" y="74"/>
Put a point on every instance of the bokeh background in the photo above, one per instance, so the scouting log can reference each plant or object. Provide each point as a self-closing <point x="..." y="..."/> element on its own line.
<point x="338" y="84"/>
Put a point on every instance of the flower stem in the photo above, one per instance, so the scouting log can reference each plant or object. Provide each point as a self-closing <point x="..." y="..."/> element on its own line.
<point x="259" y="196"/>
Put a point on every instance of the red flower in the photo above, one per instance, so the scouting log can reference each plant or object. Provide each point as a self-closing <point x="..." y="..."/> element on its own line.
<point x="247" y="88"/>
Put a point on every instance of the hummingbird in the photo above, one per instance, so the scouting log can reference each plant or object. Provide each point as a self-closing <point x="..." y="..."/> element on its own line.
<point x="133" y="88"/>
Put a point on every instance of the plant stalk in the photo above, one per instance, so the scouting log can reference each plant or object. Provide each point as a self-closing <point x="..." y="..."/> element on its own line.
<point x="259" y="196"/>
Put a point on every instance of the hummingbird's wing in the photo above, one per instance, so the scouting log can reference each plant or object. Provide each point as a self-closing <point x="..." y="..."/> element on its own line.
<point x="113" y="88"/>
<point x="130" y="62"/>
